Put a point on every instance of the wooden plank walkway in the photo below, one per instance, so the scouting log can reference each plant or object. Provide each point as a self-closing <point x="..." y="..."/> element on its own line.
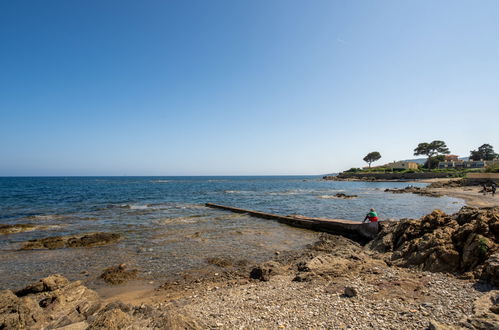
<point x="356" y="230"/>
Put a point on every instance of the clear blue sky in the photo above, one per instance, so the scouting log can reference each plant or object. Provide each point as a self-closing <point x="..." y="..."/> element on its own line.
<point x="241" y="87"/>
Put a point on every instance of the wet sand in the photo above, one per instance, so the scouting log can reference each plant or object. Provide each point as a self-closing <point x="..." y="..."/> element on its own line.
<point x="470" y="194"/>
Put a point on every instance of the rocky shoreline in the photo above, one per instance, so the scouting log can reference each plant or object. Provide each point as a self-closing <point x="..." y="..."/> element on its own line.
<point x="435" y="272"/>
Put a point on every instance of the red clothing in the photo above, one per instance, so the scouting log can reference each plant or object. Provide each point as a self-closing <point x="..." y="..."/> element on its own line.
<point x="373" y="219"/>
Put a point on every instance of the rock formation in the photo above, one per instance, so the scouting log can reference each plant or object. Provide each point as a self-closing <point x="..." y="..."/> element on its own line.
<point x="464" y="242"/>
<point x="55" y="302"/>
<point x="118" y="274"/>
<point x="72" y="241"/>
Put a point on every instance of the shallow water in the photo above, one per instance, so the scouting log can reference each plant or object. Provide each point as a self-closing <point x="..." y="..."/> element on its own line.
<point x="167" y="229"/>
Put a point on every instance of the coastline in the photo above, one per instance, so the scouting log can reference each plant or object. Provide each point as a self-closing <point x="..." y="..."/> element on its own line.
<point x="470" y="194"/>
<point x="333" y="283"/>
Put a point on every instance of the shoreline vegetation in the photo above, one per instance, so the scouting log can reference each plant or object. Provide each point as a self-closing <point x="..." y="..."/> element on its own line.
<point x="437" y="272"/>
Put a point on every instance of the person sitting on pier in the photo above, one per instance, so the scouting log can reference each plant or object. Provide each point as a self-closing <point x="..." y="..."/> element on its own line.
<point x="372" y="216"/>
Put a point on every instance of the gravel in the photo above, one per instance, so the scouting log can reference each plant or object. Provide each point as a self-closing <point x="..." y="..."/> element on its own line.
<point x="395" y="299"/>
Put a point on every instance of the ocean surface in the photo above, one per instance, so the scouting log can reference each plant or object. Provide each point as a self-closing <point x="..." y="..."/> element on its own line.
<point x="166" y="226"/>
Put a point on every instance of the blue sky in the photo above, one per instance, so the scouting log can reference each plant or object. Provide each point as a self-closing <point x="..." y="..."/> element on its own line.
<point x="241" y="87"/>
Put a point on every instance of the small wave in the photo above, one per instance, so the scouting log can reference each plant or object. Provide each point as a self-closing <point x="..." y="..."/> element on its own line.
<point x="45" y="217"/>
<point x="161" y="181"/>
<point x="230" y="216"/>
<point x="138" y="207"/>
<point x="327" y="197"/>
<point x="189" y="206"/>
<point x="302" y="192"/>
<point x="238" y="192"/>
<point x="185" y="219"/>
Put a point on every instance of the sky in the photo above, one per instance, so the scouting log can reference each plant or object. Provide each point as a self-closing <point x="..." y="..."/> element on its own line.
<point x="250" y="87"/>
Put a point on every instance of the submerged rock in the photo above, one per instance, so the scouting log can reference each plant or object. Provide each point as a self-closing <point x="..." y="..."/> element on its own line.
<point x="345" y="196"/>
<point x="18" y="228"/>
<point x="220" y="261"/>
<point x="118" y="274"/>
<point x="72" y="241"/>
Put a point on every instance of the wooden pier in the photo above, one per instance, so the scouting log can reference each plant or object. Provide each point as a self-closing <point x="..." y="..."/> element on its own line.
<point x="358" y="231"/>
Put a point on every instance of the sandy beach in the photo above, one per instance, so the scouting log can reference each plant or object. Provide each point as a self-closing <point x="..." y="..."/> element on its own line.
<point x="470" y="194"/>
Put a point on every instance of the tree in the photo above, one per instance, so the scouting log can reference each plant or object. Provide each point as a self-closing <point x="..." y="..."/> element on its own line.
<point x="431" y="150"/>
<point x="372" y="157"/>
<point x="484" y="152"/>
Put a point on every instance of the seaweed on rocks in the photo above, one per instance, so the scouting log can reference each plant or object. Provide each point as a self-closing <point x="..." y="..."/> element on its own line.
<point x="72" y="241"/>
<point x="118" y="274"/>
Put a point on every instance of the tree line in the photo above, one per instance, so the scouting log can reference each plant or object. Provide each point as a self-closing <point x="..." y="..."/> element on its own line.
<point x="436" y="151"/>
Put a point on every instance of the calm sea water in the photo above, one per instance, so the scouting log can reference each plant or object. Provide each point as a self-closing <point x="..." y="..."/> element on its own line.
<point x="167" y="229"/>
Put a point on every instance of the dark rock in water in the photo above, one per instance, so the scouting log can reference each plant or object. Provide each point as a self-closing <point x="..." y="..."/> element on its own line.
<point x="444" y="243"/>
<point x="220" y="262"/>
<point x="118" y="274"/>
<point x="414" y="190"/>
<point x="345" y="196"/>
<point x="18" y="228"/>
<point x="350" y="292"/>
<point x="72" y="241"/>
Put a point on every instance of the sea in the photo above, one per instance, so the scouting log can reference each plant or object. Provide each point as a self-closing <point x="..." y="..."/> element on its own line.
<point x="168" y="230"/>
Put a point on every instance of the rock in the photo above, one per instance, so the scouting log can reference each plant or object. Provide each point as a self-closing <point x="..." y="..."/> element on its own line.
<point x="446" y="184"/>
<point x="414" y="190"/>
<point x="484" y="315"/>
<point x="259" y="273"/>
<point x="327" y="264"/>
<point x="47" y="284"/>
<point x="434" y="325"/>
<point x="118" y="274"/>
<point x="303" y="277"/>
<point x="113" y="319"/>
<point x="443" y="243"/>
<point x="490" y="270"/>
<point x="337" y="245"/>
<point x="350" y="292"/>
<point x="18" y="313"/>
<point x="265" y="271"/>
<point x="72" y="241"/>
<point x="220" y="262"/>
<point x="83" y="325"/>
<point x="345" y="196"/>
<point x="56" y="303"/>
<point x="49" y="303"/>
<point x="18" y="228"/>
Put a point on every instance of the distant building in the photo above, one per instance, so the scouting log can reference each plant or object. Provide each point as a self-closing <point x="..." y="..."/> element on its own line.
<point x="463" y="164"/>
<point x="402" y="165"/>
<point x="451" y="158"/>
